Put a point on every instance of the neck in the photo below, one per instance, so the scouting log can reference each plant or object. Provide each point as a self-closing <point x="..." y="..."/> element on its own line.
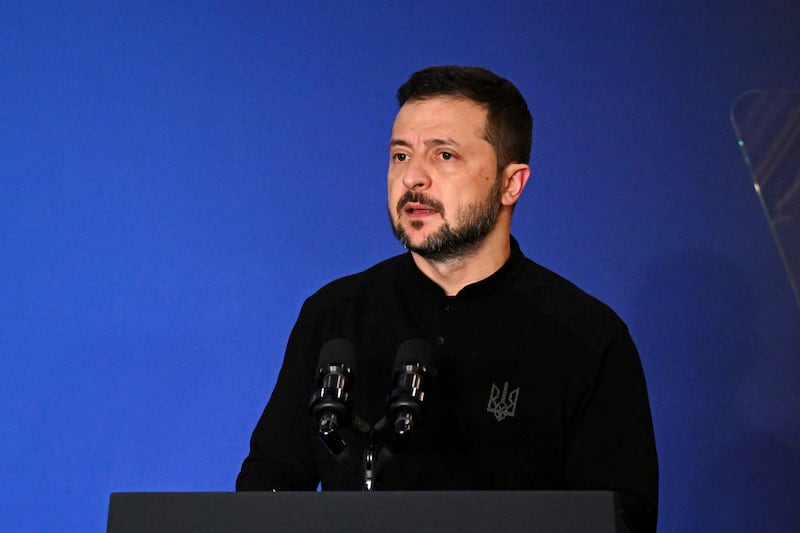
<point x="454" y="274"/>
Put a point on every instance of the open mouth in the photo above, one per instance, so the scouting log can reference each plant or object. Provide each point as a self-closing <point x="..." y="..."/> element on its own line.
<point x="423" y="210"/>
<point x="418" y="205"/>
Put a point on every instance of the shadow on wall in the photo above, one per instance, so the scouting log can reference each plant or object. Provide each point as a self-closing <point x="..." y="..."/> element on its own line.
<point x="725" y="400"/>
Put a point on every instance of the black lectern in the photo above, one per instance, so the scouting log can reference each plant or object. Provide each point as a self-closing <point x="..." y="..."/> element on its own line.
<point x="387" y="512"/>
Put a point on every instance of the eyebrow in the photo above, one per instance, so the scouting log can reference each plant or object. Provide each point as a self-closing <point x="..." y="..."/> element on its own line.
<point x="429" y="142"/>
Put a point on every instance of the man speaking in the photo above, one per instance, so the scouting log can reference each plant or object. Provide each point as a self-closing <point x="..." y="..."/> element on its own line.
<point x="461" y="364"/>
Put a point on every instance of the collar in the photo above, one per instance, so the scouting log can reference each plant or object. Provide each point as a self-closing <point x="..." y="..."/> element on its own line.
<point x="485" y="286"/>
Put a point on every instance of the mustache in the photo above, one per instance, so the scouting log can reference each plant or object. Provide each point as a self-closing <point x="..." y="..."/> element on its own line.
<point x="419" y="198"/>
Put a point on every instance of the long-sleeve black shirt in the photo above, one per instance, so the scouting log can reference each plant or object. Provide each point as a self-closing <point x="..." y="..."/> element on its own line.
<point x="539" y="386"/>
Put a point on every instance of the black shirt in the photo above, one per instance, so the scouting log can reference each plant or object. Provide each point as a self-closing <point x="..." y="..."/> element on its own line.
<point x="538" y="386"/>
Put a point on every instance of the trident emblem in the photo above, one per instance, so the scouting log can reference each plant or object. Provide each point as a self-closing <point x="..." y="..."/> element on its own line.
<point x="502" y="404"/>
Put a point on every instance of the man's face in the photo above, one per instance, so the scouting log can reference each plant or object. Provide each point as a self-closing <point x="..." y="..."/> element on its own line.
<point x="443" y="184"/>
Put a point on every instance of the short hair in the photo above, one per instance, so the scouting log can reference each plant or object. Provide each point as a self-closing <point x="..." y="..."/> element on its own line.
<point x="509" y="124"/>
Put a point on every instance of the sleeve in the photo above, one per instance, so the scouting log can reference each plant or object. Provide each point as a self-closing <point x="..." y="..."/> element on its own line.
<point x="612" y="443"/>
<point x="281" y="453"/>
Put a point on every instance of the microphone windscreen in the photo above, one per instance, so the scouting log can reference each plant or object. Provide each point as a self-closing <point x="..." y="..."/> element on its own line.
<point x="415" y="351"/>
<point x="338" y="352"/>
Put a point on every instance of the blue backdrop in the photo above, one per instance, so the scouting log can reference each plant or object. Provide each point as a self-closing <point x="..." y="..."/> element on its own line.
<point x="175" y="178"/>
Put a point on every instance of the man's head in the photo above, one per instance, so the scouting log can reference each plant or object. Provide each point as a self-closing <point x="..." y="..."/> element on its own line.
<point x="458" y="161"/>
<point x="509" y="125"/>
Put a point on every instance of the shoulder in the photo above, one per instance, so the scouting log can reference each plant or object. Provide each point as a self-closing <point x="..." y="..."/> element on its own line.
<point x="362" y="284"/>
<point x="341" y="306"/>
<point x="551" y="296"/>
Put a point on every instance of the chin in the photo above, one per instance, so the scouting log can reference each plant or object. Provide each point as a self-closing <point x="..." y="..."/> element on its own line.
<point x="418" y="236"/>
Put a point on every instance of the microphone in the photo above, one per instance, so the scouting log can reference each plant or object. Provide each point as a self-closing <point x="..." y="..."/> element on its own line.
<point x="412" y="367"/>
<point x="329" y="401"/>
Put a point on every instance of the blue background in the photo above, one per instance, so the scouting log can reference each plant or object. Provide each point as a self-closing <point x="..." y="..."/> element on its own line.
<point x="175" y="178"/>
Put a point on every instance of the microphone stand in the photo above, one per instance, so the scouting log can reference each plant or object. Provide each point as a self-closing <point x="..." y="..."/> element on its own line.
<point x="405" y="411"/>
<point x="384" y="442"/>
<point x="369" y="473"/>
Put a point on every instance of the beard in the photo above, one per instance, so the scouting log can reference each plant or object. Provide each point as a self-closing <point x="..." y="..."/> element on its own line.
<point x="473" y="223"/>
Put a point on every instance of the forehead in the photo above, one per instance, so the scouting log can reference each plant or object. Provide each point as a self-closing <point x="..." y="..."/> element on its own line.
<point x="454" y="117"/>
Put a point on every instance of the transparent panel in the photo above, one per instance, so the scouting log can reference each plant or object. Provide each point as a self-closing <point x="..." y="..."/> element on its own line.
<point x="767" y="125"/>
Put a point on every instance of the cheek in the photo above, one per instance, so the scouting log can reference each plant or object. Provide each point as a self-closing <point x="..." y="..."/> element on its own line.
<point x="394" y="185"/>
<point x="393" y="194"/>
<point x="391" y="180"/>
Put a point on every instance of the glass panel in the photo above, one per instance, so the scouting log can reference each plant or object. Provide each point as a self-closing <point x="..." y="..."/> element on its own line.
<point x="767" y="125"/>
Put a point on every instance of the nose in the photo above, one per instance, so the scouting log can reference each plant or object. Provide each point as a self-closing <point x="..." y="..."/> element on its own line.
<point x="417" y="175"/>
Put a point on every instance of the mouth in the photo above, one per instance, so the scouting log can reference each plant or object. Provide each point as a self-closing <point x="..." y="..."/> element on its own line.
<point x="416" y="205"/>
<point x="412" y="209"/>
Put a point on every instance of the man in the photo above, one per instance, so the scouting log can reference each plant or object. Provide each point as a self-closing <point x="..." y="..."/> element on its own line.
<point x="538" y="385"/>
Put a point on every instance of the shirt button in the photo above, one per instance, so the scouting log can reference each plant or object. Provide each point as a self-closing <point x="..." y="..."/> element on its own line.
<point x="446" y="307"/>
<point x="439" y="341"/>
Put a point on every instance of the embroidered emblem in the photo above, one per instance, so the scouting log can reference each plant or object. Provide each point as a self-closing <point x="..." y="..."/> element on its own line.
<point x="502" y="403"/>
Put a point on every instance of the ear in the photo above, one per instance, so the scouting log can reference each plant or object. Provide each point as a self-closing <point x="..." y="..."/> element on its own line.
<point x="515" y="176"/>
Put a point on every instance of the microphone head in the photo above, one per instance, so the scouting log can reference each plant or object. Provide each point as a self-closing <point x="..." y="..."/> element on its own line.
<point x="415" y="352"/>
<point x="338" y="352"/>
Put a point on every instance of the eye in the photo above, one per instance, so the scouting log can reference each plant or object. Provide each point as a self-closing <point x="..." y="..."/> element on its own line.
<point x="447" y="156"/>
<point x="399" y="157"/>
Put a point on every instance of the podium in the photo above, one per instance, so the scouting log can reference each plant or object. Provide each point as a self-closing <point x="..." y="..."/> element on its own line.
<point x="352" y="512"/>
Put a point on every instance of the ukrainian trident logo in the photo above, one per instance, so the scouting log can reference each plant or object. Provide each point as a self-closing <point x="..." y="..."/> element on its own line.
<point x="502" y="403"/>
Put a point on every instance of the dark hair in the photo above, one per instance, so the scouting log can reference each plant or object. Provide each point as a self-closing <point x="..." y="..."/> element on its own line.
<point x="509" y="125"/>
